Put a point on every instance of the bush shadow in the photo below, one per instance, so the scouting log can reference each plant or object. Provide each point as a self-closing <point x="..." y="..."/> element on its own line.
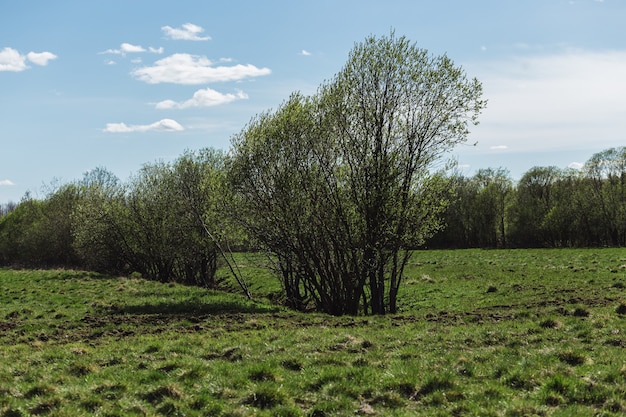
<point x="196" y="308"/>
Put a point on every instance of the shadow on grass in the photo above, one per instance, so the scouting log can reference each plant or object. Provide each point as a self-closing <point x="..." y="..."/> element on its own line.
<point x="196" y="307"/>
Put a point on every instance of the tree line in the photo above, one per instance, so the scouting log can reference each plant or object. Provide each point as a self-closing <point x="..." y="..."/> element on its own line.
<point x="547" y="207"/>
<point x="166" y="221"/>
<point x="337" y="188"/>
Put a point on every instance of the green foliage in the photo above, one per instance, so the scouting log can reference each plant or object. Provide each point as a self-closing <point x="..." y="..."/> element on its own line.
<point x="477" y="215"/>
<point x="20" y="233"/>
<point x="337" y="186"/>
<point x="165" y="224"/>
<point x="535" y="209"/>
<point x="99" y="225"/>
<point x="549" y="207"/>
<point x="39" y="232"/>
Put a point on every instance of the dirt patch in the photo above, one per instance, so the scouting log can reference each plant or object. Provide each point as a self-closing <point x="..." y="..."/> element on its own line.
<point x="6" y="326"/>
<point x="93" y="326"/>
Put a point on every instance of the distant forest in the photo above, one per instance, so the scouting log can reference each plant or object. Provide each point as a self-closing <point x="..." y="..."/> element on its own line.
<point x="101" y="223"/>
<point x="547" y="207"/>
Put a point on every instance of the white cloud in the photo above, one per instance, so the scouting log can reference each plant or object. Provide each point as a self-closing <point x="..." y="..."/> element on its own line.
<point x="13" y="60"/>
<point x="202" y="98"/>
<point x="194" y="69"/>
<point x="304" y="52"/>
<point x="188" y="32"/>
<point x="576" y="165"/>
<point x="6" y="183"/>
<point x="129" y="48"/>
<point x="164" y="125"/>
<point x="124" y="49"/>
<point x="498" y="147"/>
<point x="40" y="58"/>
<point x="568" y="100"/>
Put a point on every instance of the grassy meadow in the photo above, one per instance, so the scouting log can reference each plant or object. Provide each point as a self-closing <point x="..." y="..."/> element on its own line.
<point x="480" y="332"/>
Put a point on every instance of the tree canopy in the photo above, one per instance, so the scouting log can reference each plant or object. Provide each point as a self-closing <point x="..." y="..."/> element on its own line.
<point x="338" y="186"/>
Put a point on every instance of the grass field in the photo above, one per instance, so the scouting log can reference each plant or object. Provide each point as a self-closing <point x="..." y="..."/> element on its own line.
<point x="485" y="333"/>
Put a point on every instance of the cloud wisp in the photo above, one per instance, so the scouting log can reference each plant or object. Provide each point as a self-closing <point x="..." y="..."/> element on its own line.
<point x="40" y="58"/>
<point x="164" y="125"/>
<point x="188" y="32"/>
<point x="193" y="69"/>
<point x="202" y="98"/>
<point x="129" y="48"/>
<point x="6" y="183"/>
<point x="12" y="60"/>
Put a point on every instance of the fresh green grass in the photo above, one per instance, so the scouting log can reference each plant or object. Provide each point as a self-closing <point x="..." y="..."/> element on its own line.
<point x="485" y="333"/>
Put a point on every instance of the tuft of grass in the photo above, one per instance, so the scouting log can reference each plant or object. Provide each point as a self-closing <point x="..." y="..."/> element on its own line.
<point x="406" y="389"/>
<point x="81" y="369"/>
<point x="263" y="373"/>
<point x="162" y="393"/>
<point x="550" y="323"/>
<point x="39" y="391"/>
<point x="572" y="358"/>
<point x="45" y="407"/>
<point x="110" y="391"/>
<point x="390" y="400"/>
<point x="581" y="312"/>
<point x="266" y="396"/>
<point x="292" y="364"/>
<point x="519" y="380"/>
<point x="439" y="385"/>
<point x="13" y="412"/>
<point x="560" y="390"/>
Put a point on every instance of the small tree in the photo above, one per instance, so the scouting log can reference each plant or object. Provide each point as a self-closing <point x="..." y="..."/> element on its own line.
<point x="338" y="186"/>
<point x="57" y="225"/>
<point x="22" y="240"/>
<point x="535" y="198"/>
<point x="173" y="213"/>
<point x="494" y="187"/>
<point x="99" y="223"/>
<point x="38" y="233"/>
<point x="607" y="173"/>
<point x="199" y="181"/>
<point x="563" y="223"/>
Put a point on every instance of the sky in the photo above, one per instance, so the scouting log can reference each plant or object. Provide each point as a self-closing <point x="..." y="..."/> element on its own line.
<point x="118" y="84"/>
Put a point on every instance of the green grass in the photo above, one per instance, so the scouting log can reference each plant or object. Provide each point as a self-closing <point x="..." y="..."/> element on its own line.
<point x="485" y="333"/>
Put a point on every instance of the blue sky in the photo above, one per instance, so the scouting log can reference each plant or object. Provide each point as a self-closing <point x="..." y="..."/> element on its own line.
<point x="117" y="84"/>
